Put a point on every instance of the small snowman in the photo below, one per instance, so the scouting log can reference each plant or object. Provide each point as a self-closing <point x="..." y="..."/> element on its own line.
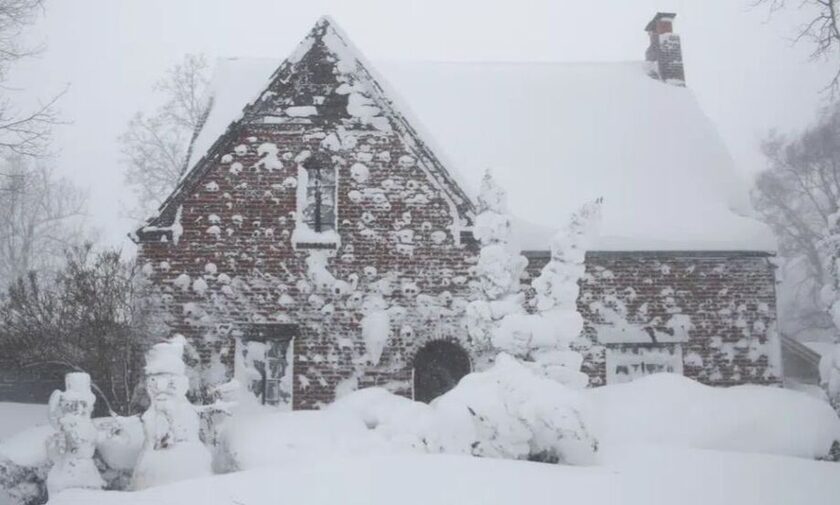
<point x="172" y="450"/>
<point x="72" y="447"/>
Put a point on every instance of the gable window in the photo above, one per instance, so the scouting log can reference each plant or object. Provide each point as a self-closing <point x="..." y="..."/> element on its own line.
<point x="319" y="210"/>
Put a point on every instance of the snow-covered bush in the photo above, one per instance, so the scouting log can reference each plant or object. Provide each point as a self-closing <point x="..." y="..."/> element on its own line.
<point x="73" y="444"/>
<point x="542" y="340"/>
<point x="172" y="450"/>
<point x="516" y="414"/>
<point x="830" y="376"/>
<point x="21" y="484"/>
<point x="499" y="269"/>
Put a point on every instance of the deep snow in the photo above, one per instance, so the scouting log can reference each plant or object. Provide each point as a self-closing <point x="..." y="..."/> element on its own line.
<point x="15" y="417"/>
<point x="642" y="476"/>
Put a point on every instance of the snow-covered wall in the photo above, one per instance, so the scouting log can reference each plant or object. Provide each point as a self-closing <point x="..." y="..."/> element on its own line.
<point x="232" y="248"/>
<point x="709" y="316"/>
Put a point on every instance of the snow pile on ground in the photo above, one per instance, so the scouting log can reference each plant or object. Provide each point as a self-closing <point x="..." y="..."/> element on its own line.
<point x="669" y="409"/>
<point x="506" y="412"/>
<point x="510" y="413"/>
<point x="15" y="417"/>
<point x="650" y="477"/>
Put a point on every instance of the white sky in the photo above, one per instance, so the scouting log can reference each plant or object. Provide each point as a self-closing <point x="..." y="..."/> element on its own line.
<point x="746" y="74"/>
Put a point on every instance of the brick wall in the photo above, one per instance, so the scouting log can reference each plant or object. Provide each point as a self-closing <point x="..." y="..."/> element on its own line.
<point x="398" y="223"/>
<point x="728" y="298"/>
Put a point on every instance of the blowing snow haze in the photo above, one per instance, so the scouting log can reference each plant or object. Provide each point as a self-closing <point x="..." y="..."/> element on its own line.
<point x="741" y="66"/>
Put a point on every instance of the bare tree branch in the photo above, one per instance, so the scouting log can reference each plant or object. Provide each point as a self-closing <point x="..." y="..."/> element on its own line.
<point x="156" y="147"/>
<point x="797" y="195"/>
<point x="822" y="31"/>
<point x="42" y="216"/>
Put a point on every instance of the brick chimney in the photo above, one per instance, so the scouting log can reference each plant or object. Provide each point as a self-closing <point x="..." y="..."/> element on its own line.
<point x="664" y="56"/>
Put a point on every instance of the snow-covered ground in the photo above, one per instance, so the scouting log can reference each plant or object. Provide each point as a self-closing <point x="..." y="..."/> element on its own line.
<point x="643" y="475"/>
<point x="663" y="439"/>
<point x="15" y="417"/>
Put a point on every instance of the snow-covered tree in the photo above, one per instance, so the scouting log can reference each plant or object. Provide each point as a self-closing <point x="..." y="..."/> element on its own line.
<point x="830" y="364"/>
<point x="172" y="450"/>
<point x="499" y="268"/>
<point x="543" y="339"/>
<point x="72" y="447"/>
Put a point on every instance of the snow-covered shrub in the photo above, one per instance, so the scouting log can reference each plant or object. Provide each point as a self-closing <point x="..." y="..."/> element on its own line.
<point x="542" y="340"/>
<point x="499" y="269"/>
<point x="830" y="376"/>
<point x="172" y="450"/>
<point x="21" y="484"/>
<point x="73" y="444"/>
<point x="516" y="414"/>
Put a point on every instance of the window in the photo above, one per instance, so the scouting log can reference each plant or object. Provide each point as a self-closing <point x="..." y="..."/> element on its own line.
<point x="318" y="210"/>
<point x="266" y="356"/>
<point x="625" y="363"/>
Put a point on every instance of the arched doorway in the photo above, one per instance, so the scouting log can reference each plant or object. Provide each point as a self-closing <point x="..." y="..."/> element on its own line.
<point x="438" y="366"/>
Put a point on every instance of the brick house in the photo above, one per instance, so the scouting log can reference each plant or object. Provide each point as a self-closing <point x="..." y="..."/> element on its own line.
<point x="318" y="214"/>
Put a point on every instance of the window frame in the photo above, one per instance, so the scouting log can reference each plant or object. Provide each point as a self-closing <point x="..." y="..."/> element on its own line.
<point x="307" y="168"/>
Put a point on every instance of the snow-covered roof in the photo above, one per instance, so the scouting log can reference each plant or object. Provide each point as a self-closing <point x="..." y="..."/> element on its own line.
<point x="557" y="135"/>
<point x="821" y="348"/>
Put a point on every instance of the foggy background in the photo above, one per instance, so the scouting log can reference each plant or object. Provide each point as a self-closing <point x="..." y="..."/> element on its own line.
<point x="739" y="61"/>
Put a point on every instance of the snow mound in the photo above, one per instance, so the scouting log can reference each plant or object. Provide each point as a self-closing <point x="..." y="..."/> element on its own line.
<point x="668" y="409"/>
<point x="15" y="417"/>
<point x="654" y="477"/>
<point x="506" y="412"/>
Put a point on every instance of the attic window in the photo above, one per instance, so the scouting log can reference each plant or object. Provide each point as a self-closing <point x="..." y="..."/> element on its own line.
<point x="319" y="206"/>
<point x="316" y="209"/>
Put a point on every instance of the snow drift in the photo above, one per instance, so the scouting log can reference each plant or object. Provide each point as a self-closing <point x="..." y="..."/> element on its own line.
<point x="508" y="412"/>
<point x="505" y="412"/>
<point x="669" y="409"/>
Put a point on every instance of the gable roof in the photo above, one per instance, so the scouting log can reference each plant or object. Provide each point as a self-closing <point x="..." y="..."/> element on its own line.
<point x="557" y="135"/>
<point x="267" y="102"/>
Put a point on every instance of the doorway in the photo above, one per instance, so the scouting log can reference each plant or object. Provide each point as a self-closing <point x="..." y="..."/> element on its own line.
<point x="438" y="366"/>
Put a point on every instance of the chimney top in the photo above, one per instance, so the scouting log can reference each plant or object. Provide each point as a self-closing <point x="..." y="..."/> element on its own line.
<point x="664" y="55"/>
<point x="663" y="22"/>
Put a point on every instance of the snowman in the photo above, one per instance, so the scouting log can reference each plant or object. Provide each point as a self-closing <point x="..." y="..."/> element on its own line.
<point x="172" y="449"/>
<point x="72" y="447"/>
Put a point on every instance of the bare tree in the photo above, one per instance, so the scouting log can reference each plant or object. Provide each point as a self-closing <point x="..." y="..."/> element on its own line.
<point x="91" y="315"/>
<point x="22" y="132"/>
<point x="42" y="216"/>
<point x="156" y="147"/>
<point x="798" y="196"/>
<point x="822" y="30"/>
